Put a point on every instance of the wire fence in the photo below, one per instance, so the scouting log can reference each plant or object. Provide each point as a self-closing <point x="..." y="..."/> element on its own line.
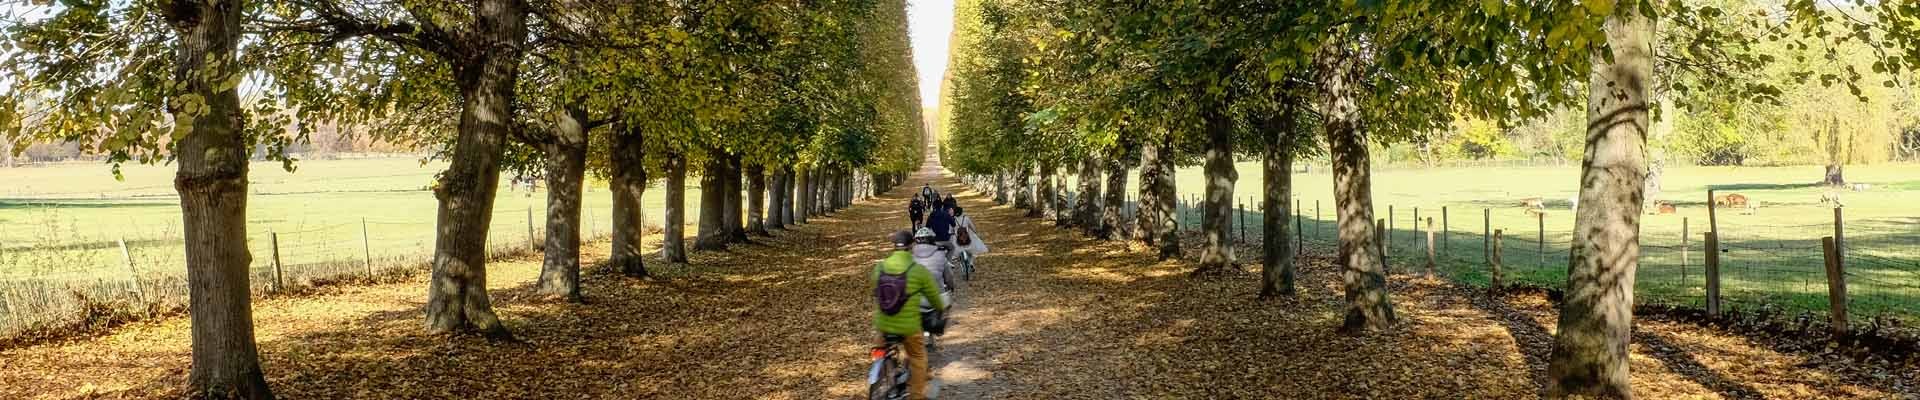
<point x="1762" y="267"/>
<point x="76" y="277"/>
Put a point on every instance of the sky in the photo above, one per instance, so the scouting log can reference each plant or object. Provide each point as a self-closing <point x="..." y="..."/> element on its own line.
<point x="930" y="22"/>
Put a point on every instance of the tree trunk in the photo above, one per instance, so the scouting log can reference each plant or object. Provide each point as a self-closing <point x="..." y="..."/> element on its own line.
<point x="757" y="200"/>
<point x="1363" y="269"/>
<point x="1000" y="187"/>
<point x="1087" y="205"/>
<point x="803" y="196"/>
<point x="1043" y="193"/>
<point x="1157" y="201"/>
<point x="673" y="246"/>
<point x="212" y="182"/>
<point x="566" y="170"/>
<point x="1023" y="197"/>
<point x="457" y="297"/>
<point x="1834" y="176"/>
<point x="1112" y="216"/>
<point x="776" y="217"/>
<point x="1217" y="210"/>
<point x="628" y="184"/>
<point x="712" y="231"/>
<point x="1596" y="320"/>
<point x="736" y="215"/>
<point x="786" y="195"/>
<point x="1276" y="263"/>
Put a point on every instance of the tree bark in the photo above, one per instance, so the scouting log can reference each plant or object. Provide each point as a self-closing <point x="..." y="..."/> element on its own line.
<point x="1157" y="201"/>
<point x="736" y="215"/>
<point x="1363" y="269"/>
<point x="757" y="200"/>
<point x="1596" y="320"/>
<point x="1023" y="197"/>
<point x="786" y="195"/>
<point x="1112" y="216"/>
<point x="1087" y="205"/>
<point x="1217" y="210"/>
<point x="803" y="195"/>
<point x="212" y="183"/>
<point x="457" y="298"/>
<point x="566" y="172"/>
<point x="1276" y="266"/>
<point x="628" y="184"/>
<point x="1000" y="187"/>
<point x="673" y="245"/>
<point x="712" y="231"/>
<point x="776" y="219"/>
<point x="1043" y="193"/>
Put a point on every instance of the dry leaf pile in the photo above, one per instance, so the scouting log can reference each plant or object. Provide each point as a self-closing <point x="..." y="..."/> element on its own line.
<point x="1050" y="315"/>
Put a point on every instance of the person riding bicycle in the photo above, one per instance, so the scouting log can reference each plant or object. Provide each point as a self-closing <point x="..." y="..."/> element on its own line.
<point x="940" y="220"/>
<point x="927" y="193"/>
<point x="899" y="283"/>
<point x="932" y="255"/>
<point x="975" y="245"/>
<point x="916" y="212"/>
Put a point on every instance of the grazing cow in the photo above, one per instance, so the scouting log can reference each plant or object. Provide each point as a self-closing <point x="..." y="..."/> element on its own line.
<point x="1665" y="208"/>
<point x="1861" y="187"/>
<point x="1534" y="202"/>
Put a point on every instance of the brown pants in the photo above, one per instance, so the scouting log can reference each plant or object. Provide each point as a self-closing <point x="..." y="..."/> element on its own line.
<point x="917" y="373"/>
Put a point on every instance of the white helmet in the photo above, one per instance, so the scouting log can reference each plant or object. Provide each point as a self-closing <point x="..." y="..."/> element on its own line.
<point x="923" y="233"/>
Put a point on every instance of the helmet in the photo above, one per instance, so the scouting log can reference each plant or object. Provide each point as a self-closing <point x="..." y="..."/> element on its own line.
<point x="923" y="233"/>
<point x="902" y="239"/>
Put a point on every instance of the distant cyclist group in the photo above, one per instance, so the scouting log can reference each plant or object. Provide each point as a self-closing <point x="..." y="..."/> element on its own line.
<point x="941" y="239"/>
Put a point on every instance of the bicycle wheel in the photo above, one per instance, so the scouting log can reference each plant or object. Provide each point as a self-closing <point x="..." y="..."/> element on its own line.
<point x="888" y="385"/>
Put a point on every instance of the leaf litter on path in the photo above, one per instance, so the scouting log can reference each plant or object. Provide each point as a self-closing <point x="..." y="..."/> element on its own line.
<point x="1049" y="314"/>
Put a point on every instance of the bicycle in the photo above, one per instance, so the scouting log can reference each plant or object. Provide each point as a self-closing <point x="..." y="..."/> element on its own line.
<point x="964" y="260"/>
<point x="887" y="377"/>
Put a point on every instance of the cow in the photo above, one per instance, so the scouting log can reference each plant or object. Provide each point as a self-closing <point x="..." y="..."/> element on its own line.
<point x="1665" y="208"/>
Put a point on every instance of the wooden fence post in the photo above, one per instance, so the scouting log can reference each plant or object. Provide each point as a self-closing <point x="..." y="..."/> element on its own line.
<point x="530" y="243"/>
<point x="1541" y="218"/>
<point x="1299" y="238"/>
<point x="1683" y="249"/>
<point x="366" y="248"/>
<point x="1713" y="274"/>
<point x="1430" y="255"/>
<point x="1316" y="219"/>
<point x="1389" y="234"/>
<point x="1416" y="226"/>
<point x="1493" y="258"/>
<point x="279" y="281"/>
<point x="1839" y="240"/>
<point x="139" y="292"/>
<point x="1486" y="232"/>
<point x="1446" y="231"/>
<point x="1240" y="210"/>
<point x="1379" y="243"/>
<point x="1836" y="284"/>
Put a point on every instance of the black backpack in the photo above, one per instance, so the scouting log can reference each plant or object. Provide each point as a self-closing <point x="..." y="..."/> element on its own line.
<point x="890" y="290"/>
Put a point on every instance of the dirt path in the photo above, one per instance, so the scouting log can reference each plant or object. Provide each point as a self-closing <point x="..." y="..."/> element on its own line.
<point x="1050" y="314"/>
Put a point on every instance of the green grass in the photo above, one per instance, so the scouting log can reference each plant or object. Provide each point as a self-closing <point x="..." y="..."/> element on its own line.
<point x="66" y="221"/>
<point x="1772" y="257"/>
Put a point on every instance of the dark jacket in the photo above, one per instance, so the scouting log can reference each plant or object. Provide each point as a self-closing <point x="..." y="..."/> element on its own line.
<point x="941" y="223"/>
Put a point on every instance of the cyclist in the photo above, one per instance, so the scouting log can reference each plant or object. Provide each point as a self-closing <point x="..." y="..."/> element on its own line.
<point x="916" y="211"/>
<point x="899" y="283"/>
<point x="940" y="220"/>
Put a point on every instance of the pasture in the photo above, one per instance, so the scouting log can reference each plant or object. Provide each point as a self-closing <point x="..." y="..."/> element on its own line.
<point x="61" y="227"/>
<point x="1771" y="257"/>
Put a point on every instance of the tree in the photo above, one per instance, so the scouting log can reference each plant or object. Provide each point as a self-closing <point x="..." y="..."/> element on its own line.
<point x="186" y="60"/>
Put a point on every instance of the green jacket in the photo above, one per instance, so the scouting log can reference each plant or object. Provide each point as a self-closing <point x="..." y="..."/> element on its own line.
<point x="920" y="285"/>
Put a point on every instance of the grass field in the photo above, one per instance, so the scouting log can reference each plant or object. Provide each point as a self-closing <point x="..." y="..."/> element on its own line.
<point x="61" y="227"/>
<point x="1771" y="257"/>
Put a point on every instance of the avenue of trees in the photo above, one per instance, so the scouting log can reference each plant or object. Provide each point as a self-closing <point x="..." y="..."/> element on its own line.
<point x="782" y="110"/>
<point x="1041" y="89"/>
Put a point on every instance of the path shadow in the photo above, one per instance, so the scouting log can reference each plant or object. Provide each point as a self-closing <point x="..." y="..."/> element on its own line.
<point x="1682" y="363"/>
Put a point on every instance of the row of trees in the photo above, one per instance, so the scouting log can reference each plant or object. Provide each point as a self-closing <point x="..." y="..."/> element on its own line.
<point x="783" y="109"/>
<point x="1043" y="88"/>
